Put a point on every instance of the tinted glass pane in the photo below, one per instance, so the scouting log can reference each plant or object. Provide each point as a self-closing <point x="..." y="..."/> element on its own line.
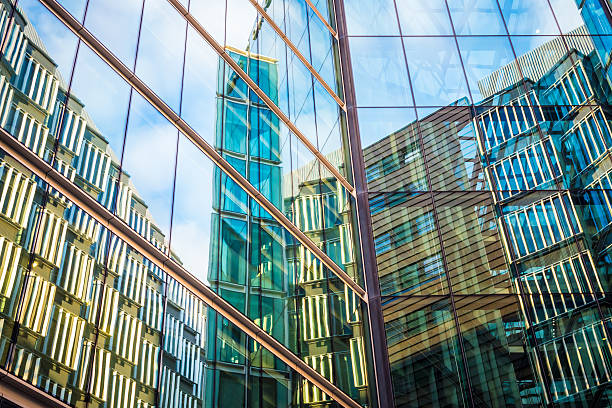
<point x="380" y="60"/>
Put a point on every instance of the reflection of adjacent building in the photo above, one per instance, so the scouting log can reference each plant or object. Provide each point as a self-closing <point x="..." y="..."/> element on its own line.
<point x="264" y="272"/>
<point x="452" y="258"/>
<point x="442" y="270"/>
<point x="247" y="263"/>
<point x="546" y="153"/>
<point x="81" y="312"/>
<point x="330" y="335"/>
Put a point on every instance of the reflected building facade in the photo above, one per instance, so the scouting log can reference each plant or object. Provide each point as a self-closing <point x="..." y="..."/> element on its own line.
<point x="247" y="261"/>
<point x="440" y="253"/>
<point x="82" y="312"/>
<point x="265" y="272"/>
<point x="331" y="336"/>
<point x="545" y="149"/>
<point x="305" y="204"/>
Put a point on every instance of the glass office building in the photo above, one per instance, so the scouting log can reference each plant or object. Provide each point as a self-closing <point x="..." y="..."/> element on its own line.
<point x="305" y="203"/>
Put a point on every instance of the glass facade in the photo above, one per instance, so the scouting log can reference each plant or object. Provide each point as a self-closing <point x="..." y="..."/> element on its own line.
<point x="485" y="144"/>
<point x="300" y="203"/>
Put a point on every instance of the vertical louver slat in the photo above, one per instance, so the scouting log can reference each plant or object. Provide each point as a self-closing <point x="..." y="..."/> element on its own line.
<point x="358" y="364"/>
<point x="64" y="340"/>
<point x="17" y="194"/>
<point x="173" y="336"/>
<point x="110" y="302"/>
<point x="314" y="317"/>
<point x="123" y="391"/>
<point x="83" y="223"/>
<point x="76" y="272"/>
<point x="128" y="337"/>
<point x="38" y="304"/>
<point x="26" y="365"/>
<point x="117" y="250"/>
<point x="67" y="171"/>
<point x="73" y="131"/>
<point x="323" y="365"/>
<point x="39" y="84"/>
<point x="151" y="313"/>
<point x="148" y="364"/>
<point x="6" y="98"/>
<point x="51" y="237"/>
<point x="555" y="218"/>
<point x="93" y="165"/>
<point x="9" y="266"/>
<point x="132" y="281"/>
<point x="100" y="370"/>
<point x="28" y="130"/>
<point x="16" y="43"/>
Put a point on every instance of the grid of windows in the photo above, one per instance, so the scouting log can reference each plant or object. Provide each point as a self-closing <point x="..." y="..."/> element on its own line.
<point x="527" y="169"/>
<point x="492" y="117"/>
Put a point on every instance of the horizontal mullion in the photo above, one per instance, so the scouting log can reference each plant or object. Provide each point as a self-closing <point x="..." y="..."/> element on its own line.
<point x="290" y="44"/>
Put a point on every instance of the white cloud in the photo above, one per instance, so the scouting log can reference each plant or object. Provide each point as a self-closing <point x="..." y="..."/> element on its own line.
<point x="191" y="241"/>
<point x="241" y="16"/>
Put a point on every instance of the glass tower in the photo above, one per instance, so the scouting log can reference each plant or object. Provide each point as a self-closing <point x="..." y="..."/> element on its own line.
<point x="299" y="203"/>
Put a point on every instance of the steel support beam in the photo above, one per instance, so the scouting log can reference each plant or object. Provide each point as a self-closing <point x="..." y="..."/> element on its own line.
<point x="323" y="20"/>
<point x="261" y="94"/>
<point x="24" y="394"/>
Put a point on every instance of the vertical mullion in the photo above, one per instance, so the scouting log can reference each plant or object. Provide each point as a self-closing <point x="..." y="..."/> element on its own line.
<point x="382" y="385"/>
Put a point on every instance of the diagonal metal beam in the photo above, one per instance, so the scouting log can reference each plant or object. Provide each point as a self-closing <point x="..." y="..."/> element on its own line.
<point x="108" y="220"/>
<point x="261" y="94"/>
<point x="139" y="86"/>
<point x="298" y="54"/>
<point x="323" y="20"/>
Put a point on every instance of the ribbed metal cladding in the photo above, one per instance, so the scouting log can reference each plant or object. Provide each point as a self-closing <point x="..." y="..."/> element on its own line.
<point x="383" y="386"/>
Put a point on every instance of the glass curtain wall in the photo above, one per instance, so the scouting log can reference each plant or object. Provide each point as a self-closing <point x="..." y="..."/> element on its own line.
<point x="485" y="129"/>
<point x="93" y="322"/>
